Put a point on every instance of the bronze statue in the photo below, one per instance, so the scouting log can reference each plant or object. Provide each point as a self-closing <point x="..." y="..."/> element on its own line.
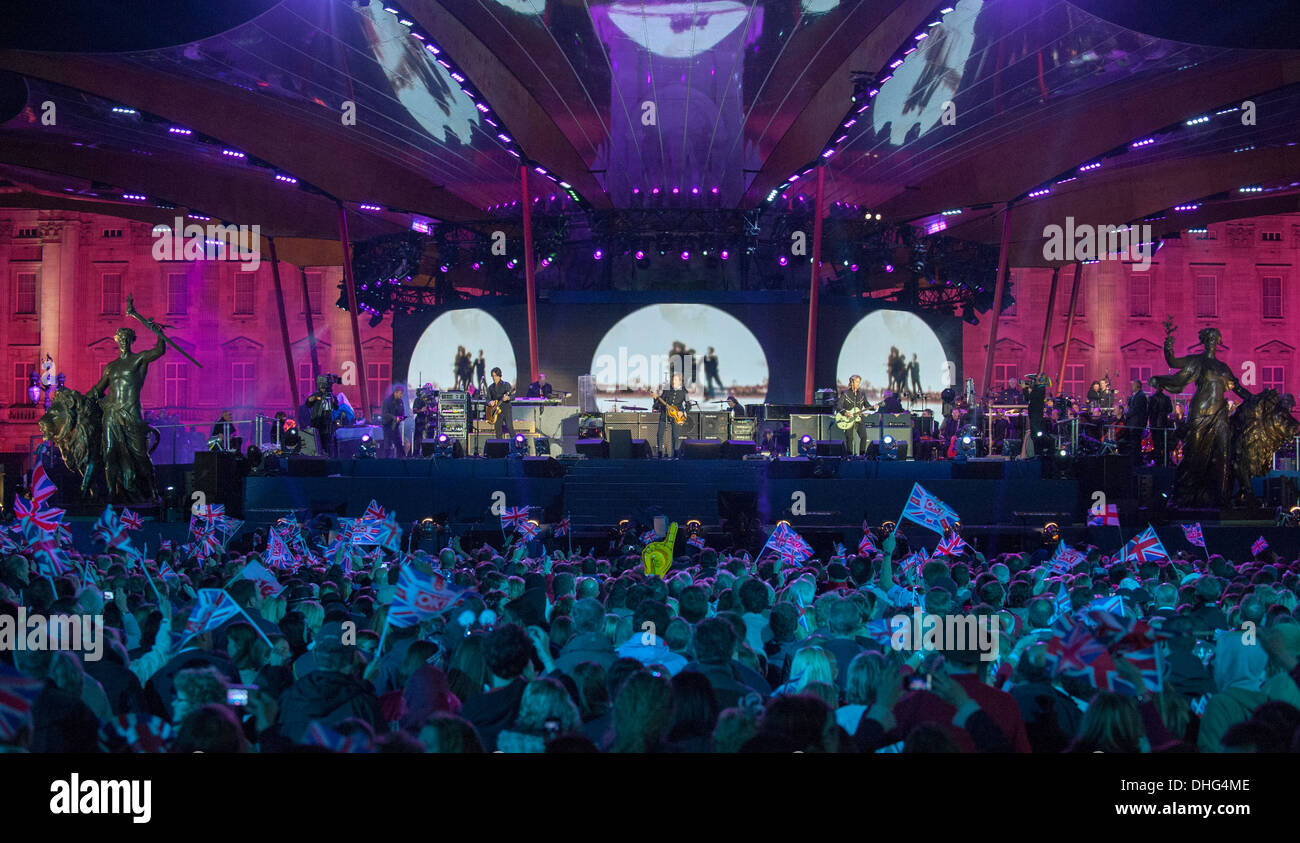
<point x="1204" y="477"/>
<point x="127" y="466"/>
<point x="75" y="424"/>
<point x="1262" y="424"/>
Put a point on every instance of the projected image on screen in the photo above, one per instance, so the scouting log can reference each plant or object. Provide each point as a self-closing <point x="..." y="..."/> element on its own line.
<point x="714" y="352"/>
<point x="928" y="78"/>
<point x="447" y="353"/>
<point x="895" y="350"/>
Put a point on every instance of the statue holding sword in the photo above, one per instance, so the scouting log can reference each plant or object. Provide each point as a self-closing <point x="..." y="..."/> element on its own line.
<point x="127" y="466"/>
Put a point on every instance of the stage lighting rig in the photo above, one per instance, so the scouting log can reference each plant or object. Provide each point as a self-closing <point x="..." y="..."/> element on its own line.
<point x="519" y="445"/>
<point x="444" y="446"/>
<point x="368" y="448"/>
<point x="966" y="444"/>
<point x="888" y="448"/>
<point x="807" y="447"/>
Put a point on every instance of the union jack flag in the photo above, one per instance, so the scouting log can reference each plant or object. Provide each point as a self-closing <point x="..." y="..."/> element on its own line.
<point x="1108" y="517"/>
<point x="212" y="609"/>
<point x="513" y="516"/>
<point x="131" y="520"/>
<point x="562" y="528"/>
<point x="18" y="693"/>
<point x="648" y="536"/>
<point x="867" y="546"/>
<point x="278" y="554"/>
<point x="1077" y="652"/>
<point x="1145" y="547"/>
<point x="167" y="572"/>
<point x="50" y="560"/>
<point x="1258" y="547"/>
<point x="206" y="545"/>
<point x="1193" y="534"/>
<point x="928" y="511"/>
<point x="205" y="517"/>
<point x="267" y="584"/>
<point x="696" y="542"/>
<point x="1065" y="557"/>
<point x="109" y="530"/>
<point x="789" y="545"/>
<point x="374" y="510"/>
<point x="42" y="487"/>
<point x="950" y="546"/>
<point x="528" y="531"/>
<point x="36" y="517"/>
<point x="366" y="532"/>
<point x="880" y="631"/>
<point x="420" y="596"/>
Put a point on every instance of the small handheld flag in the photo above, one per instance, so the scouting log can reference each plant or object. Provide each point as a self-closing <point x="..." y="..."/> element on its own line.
<point x="1109" y="517"/>
<point x="1145" y="547"/>
<point x="1258" y="547"/>
<point x="1193" y="534"/>
<point x="925" y="509"/>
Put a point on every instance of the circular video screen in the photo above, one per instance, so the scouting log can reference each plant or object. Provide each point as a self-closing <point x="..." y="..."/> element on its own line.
<point x="895" y="350"/>
<point x="713" y="351"/>
<point x="448" y="352"/>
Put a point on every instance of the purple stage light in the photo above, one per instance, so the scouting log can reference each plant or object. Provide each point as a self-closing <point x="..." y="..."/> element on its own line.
<point x="477" y="265"/>
<point x="889" y="267"/>
<point x="640" y="255"/>
<point x="443" y="268"/>
<point x="695" y="191"/>
<point x="676" y="190"/>
<point x="686" y="255"/>
<point x="783" y="260"/>
<point x="636" y="191"/>
<point x="725" y="254"/>
<point x="655" y="191"/>
<point x="180" y="130"/>
<point x="598" y="254"/>
<point x="853" y="268"/>
<point x="715" y="191"/>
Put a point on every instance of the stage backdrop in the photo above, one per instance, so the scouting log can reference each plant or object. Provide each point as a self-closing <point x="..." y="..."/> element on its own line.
<point x="630" y="342"/>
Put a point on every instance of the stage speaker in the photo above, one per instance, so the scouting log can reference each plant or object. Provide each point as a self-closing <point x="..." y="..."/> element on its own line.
<point x="304" y="466"/>
<point x="830" y="448"/>
<point x="641" y="449"/>
<point x="701" y="449"/>
<point x="620" y="444"/>
<point x="496" y="448"/>
<point x="429" y="448"/>
<point x="738" y="449"/>
<point x="713" y="425"/>
<point x="217" y="475"/>
<point x="593" y="448"/>
<point x="818" y="426"/>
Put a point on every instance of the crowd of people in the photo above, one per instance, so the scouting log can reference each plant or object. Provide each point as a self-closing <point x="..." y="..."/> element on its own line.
<point x="574" y="652"/>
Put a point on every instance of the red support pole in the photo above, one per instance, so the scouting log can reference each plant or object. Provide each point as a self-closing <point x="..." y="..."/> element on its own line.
<point x="810" y="353"/>
<point x="530" y="275"/>
<point x="284" y="325"/>
<point x="351" y="284"/>
<point x="1069" y="320"/>
<point x="995" y="314"/>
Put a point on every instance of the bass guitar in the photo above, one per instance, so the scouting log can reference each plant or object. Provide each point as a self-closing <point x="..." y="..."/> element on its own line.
<point x="676" y="415"/>
<point x="492" y="411"/>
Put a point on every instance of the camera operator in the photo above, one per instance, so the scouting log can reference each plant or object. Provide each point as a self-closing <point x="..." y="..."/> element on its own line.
<point x="394" y="414"/>
<point x="424" y="406"/>
<point x="322" y="405"/>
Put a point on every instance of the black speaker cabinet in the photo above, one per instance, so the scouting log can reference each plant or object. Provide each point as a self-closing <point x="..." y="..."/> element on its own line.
<point x="593" y="448"/>
<point x="714" y="425"/>
<point x="496" y="448"/>
<point x="738" y="449"/>
<point x="217" y="475"/>
<point x="830" y="448"/>
<point x="620" y="444"/>
<point x="701" y="449"/>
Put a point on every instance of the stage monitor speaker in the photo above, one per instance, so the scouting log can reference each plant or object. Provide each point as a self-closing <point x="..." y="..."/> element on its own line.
<point x="641" y="449"/>
<point x="701" y="449"/>
<point x="305" y="466"/>
<point x="713" y="425"/>
<point x="738" y="449"/>
<point x="593" y="449"/>
<point x="830" y="448"/>
<point x="620" y="444"/>
<point x="217" y="476"/>
<point x="496" y="448"/>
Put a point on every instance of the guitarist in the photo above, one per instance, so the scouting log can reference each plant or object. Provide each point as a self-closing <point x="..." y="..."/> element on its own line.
<point x="498" y="394"/>
<point x="854" y="400"/>
<point x="669" y="429"/>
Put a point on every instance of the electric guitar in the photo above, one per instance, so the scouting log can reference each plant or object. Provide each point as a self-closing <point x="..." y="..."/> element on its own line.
<point x="849" y="418"/>
<point x="493" y="410"/>
<point x="676" y="415"/>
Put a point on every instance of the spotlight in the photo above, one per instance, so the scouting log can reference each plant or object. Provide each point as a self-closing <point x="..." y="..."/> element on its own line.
<point x="1051" y="532"/>
<point x="725" y="254"/>
<point x="598" y="254"/>
<point x="368" y="449"/>
<point x="888" y="448"/>
<point x="443" y="446"/>
<point x="783" y="260"/>
<point x="520" y="445"/>
<point x="806" y="445"/>
<point x="965" y="445"/>
<point x="686" y="255"/>
<point x="889" y="267"/>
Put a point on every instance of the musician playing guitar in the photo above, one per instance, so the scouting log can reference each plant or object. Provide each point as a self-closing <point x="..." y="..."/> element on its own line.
<point x="498" y="395"/>
<point x="849" y="410"/>
<point x="671" y="406"/>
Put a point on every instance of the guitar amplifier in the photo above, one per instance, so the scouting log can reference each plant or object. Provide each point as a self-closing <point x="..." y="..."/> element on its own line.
<point x="820" y="427"/>
<point x="744" y="428"/>
<point x="712" y="424"/>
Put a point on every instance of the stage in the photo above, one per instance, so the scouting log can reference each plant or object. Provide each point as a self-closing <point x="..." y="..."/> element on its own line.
<point x="1003" y="503"/>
